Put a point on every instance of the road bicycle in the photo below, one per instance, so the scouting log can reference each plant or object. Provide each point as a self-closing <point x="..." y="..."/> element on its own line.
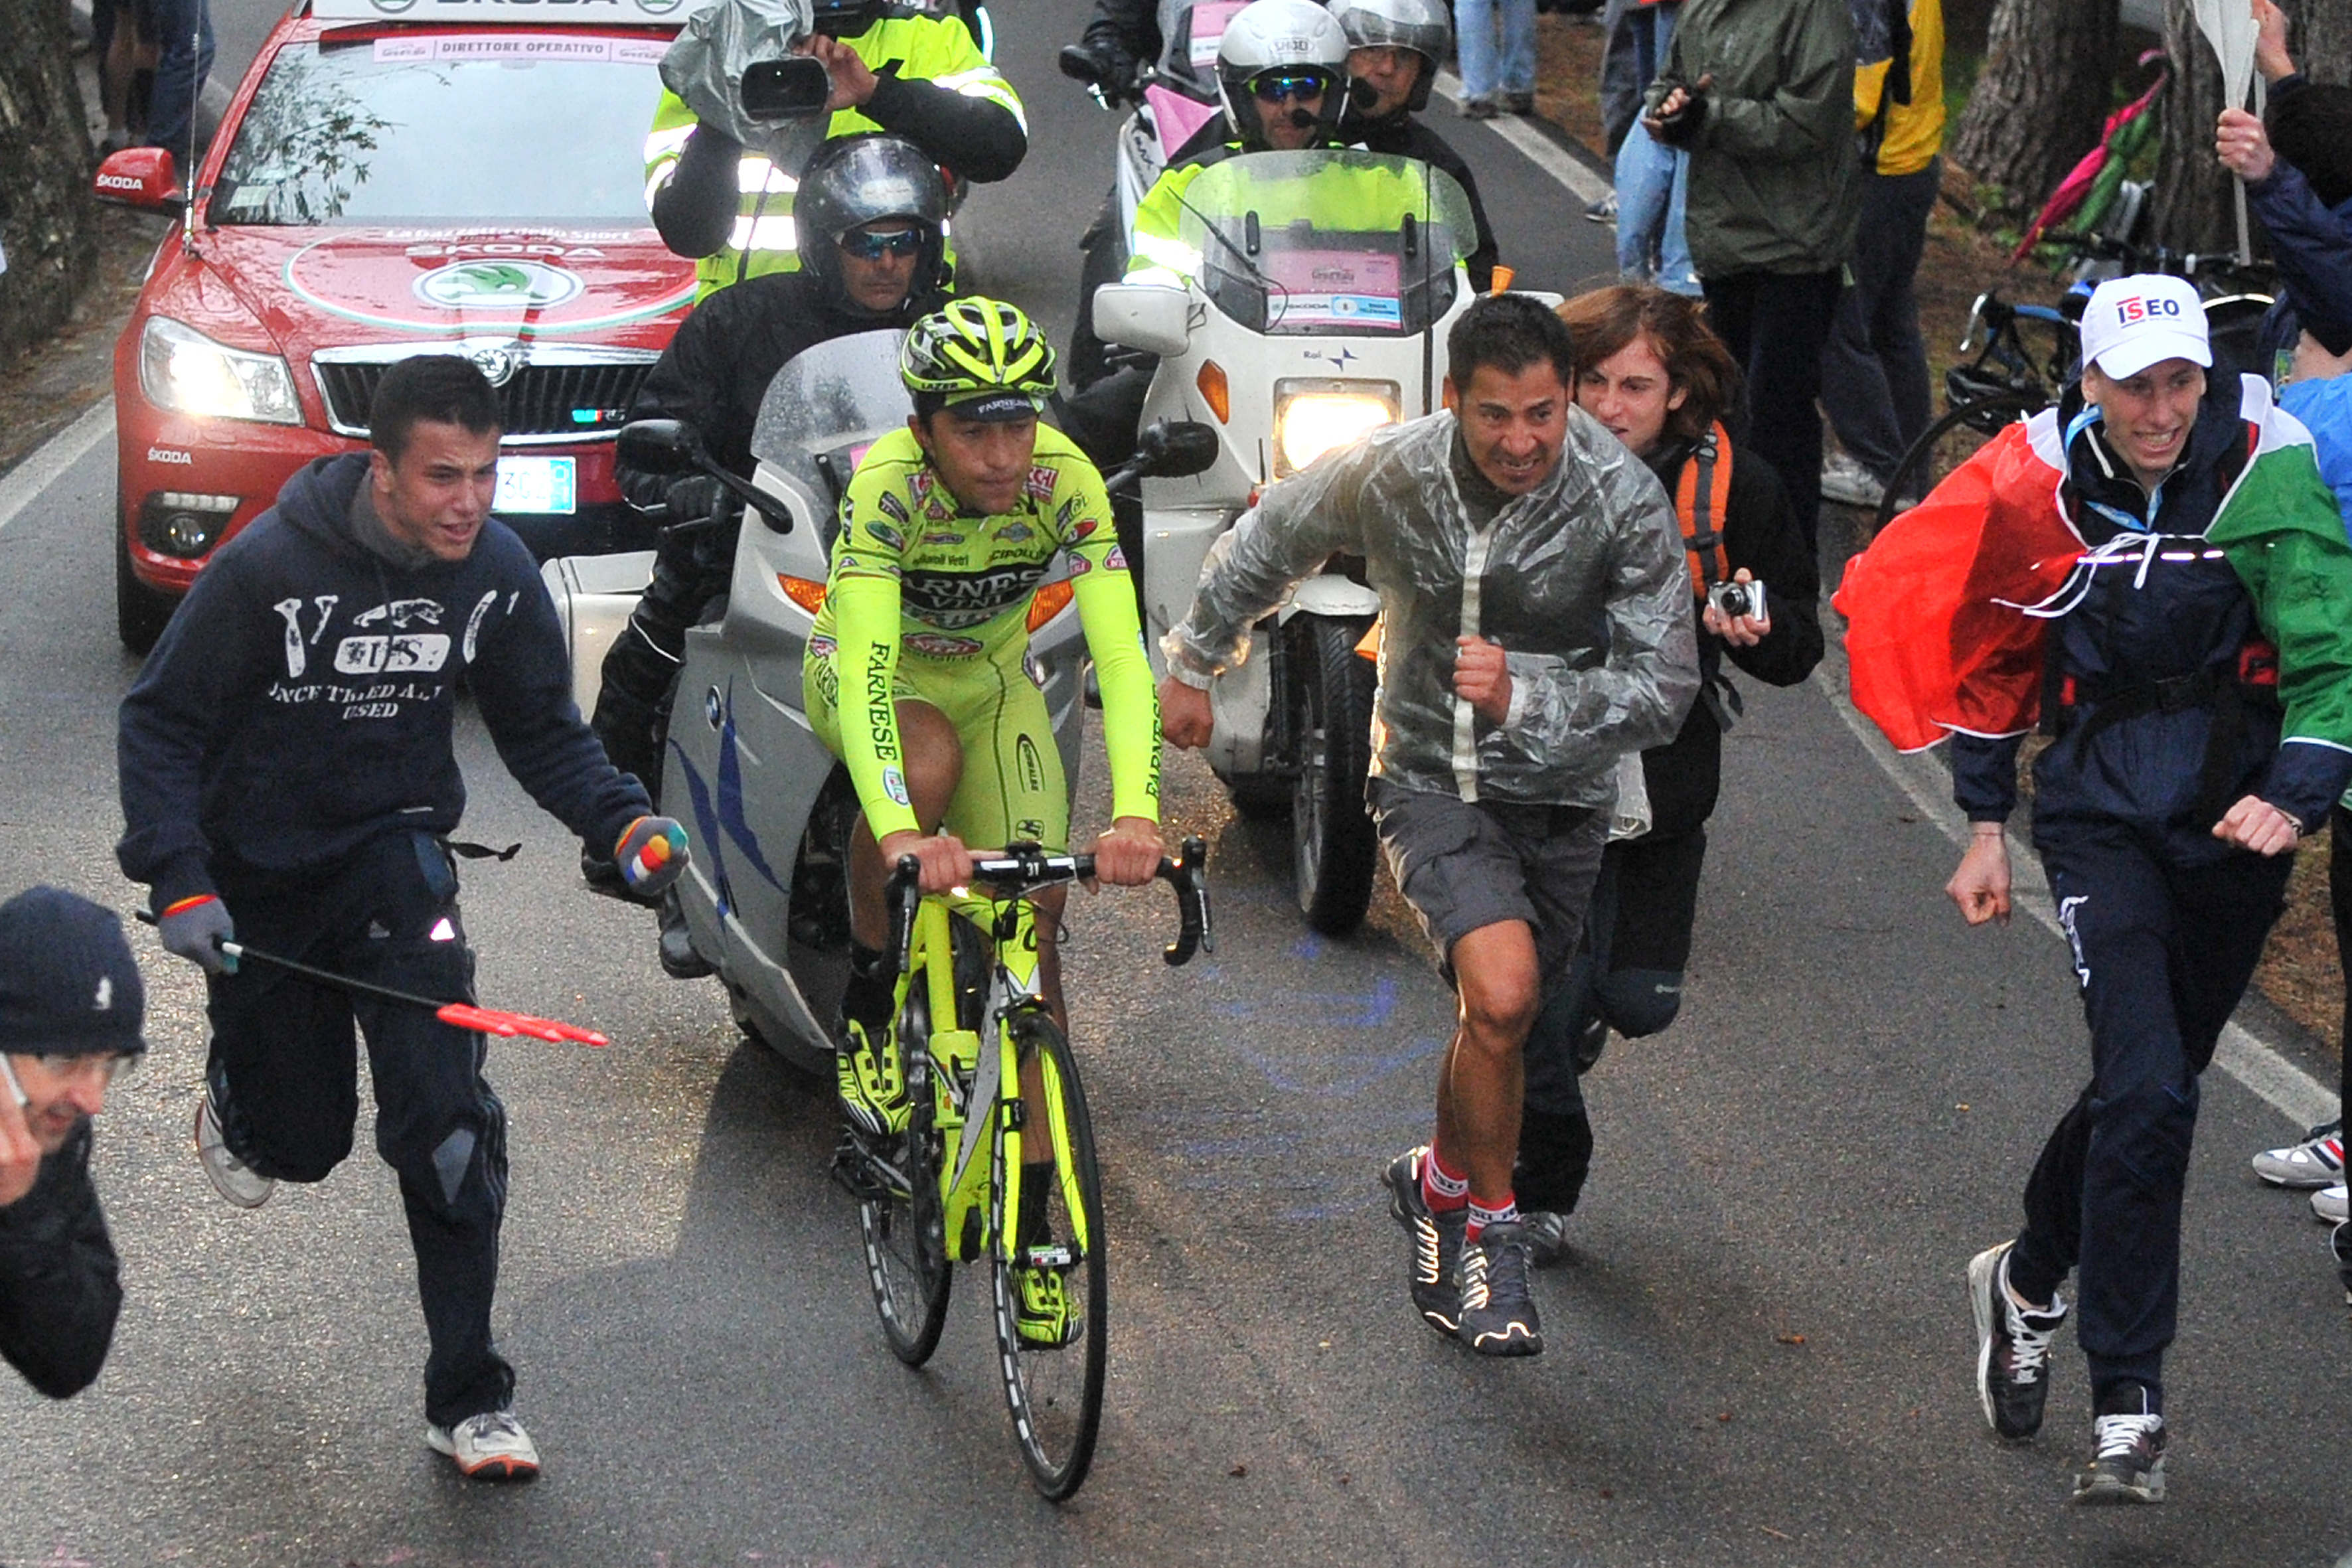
<point x="982" y="1060"/>
<point x="2025" y="355"/>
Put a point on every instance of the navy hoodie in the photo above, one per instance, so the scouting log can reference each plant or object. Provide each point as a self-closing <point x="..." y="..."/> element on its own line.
<point x="298" y="704"/>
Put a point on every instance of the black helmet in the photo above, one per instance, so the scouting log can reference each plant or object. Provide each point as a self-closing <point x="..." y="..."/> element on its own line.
<point x="853" y="181"/>
<point x="1285" y="36"/>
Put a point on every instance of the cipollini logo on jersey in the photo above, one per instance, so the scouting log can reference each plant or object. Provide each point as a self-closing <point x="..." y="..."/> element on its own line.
<point x="1041" y="483"/>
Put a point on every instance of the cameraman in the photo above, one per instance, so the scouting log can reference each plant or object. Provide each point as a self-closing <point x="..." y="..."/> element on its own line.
<point x="1648" y="368"/>
<point x="874" y="208"/>
<point x="894" y="68"/>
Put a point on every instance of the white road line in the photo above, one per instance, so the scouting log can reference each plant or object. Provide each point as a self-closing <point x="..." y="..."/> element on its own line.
<point x="1588" y="186"/>
<point x="2260" y="1068"/>
<point x="52" y="457"/>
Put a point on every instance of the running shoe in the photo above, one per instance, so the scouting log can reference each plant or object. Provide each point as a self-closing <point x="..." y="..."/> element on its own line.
<point x="2128" y="1463"/>
<point x="1499" y="1311"/>
<point x="1477" y="109"/>
<point x="491" y="1446"/>
<point x="1848" y="483"/>
<point x="1546" y="1236"/>
<point x="2328" y="1205"/>
<point x="2316" y="1162"/>
<point x="231" y="1177"/>
<point x="1043" y="1314"/>
<point x="2012" y="1347"/>
<point x="1518" y="103"/>
<point x="872" y="1088"/>
<point x="1436" y="1242"/>
<point x="1603" y="211"/>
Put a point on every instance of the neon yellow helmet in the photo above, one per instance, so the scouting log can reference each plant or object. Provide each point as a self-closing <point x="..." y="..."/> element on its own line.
<point x="983" y="358"/>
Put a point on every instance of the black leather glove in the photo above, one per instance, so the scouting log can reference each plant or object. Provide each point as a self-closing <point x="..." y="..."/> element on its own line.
<point x="692" y="498"/>
<point x="1682" y="129"/>
<point x="194" y="930"/>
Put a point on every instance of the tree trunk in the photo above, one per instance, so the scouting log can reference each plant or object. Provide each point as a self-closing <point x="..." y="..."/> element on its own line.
<point x="2037" y="104"/>
<point x="2195" y="198"/>
<point x="2323" y="42"/>
<point x="46" y="225"/>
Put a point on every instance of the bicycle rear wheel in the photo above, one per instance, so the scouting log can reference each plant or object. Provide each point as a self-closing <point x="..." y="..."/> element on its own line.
<point x="1946" y="445"/>
<point x="1053" y="1290"/>
<point x="905" y="1234"/>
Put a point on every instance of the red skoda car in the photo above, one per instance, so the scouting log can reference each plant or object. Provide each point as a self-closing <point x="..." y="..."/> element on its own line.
<point x="396" y="177"/>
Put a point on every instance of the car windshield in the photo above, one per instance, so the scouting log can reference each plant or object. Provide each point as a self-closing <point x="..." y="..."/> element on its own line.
<point x="505" y="127"/>
<point x="1326" y="241"/>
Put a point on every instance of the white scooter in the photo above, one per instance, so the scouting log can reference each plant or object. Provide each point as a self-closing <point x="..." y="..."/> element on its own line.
<point x="1324" y="286"/>
<point x="770" y="809"/>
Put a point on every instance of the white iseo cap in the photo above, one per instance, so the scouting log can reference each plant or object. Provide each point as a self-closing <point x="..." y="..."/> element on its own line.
<point x="2134" y="322"/>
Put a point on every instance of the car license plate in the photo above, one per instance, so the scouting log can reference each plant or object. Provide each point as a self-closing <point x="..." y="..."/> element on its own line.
<point x="540" y="485"/>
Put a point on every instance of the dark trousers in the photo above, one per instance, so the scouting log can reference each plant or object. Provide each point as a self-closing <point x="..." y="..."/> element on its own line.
<point x="692" y="566"/>
<point x="1874" y="371"/>
<point x="1102" y="259"/>
<point x="183" y="32"/>
<point x="1627" y="975"/>
<point x="2163" y="952"/>
<point x="284" y="1076"/>
<point x="1776" y="325"/>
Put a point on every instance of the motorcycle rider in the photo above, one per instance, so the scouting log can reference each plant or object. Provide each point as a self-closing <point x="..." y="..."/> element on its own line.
<point x="915" y="679"/>
<point x="894" y="67"/>
<point x="1395" y="49"/>
<point x="874" y="209"/>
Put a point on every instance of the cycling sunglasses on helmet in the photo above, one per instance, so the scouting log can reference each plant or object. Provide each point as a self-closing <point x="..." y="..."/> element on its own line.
<point x="1285" y="86"/>
<point x="868" y="246"/>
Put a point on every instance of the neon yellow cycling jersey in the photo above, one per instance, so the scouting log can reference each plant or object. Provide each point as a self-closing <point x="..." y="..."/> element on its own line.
<point x="925" y="599"/>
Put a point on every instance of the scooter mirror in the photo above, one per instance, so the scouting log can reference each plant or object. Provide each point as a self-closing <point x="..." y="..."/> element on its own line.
<point x="658" y="445"/>
<point x="1146" y="316"/>
<point x="776" y="90"/>
<point x="1177" y="449"/>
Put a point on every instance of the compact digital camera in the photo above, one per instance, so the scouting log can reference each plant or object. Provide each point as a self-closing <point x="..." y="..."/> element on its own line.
<point x="1736" y="599"/>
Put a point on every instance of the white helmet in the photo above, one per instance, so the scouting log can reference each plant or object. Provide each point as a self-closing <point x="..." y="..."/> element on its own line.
<point x="1421" y="25"/>
<point x="1287" y="36"/>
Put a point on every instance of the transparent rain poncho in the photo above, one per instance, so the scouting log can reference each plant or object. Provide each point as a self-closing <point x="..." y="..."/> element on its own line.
<point x="705" y="67"/>
<point x="1582" y="581"/>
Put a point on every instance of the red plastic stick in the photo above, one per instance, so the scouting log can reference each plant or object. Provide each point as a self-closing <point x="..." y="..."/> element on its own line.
<point x="490" y="1021"/>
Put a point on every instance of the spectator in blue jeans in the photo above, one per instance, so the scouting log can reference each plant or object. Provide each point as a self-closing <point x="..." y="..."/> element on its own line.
<point x="1497" y="78"/>
<point x="1653" y="179"/>
<point x="183" y="32"/>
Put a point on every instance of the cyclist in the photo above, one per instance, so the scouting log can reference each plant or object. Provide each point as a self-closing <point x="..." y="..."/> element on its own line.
<point x="875" y="208"/>
<point x="1395" y="48"/>
<point x="894" y="67"/>
<point x="946" y="532"/>
<point x="2154" y="568"/>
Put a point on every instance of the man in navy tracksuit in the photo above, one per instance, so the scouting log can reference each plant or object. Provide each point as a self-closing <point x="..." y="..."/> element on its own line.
<point x="2188" y="647"/>
<point x="287" y="781"/>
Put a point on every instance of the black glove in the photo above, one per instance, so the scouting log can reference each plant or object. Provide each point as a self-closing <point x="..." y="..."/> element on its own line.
<point x="1682" y="129"/>
<point x="195" y="928"/>
<point x="1115" y="60"/>
<point x="692" y="498"/>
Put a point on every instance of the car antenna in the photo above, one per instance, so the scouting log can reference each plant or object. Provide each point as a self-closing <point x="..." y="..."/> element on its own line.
<point x="195" y="87"/>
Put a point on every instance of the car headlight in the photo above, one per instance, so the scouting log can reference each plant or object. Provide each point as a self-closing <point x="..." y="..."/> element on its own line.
<point x="182" y="370"/>
<point x="1310" y="418"/>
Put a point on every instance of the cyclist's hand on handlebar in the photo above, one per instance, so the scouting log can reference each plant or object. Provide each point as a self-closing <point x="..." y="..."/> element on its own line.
<point x="2243" y="146"/>
<point x="1130" y="854"/>
<point x="946" y="862"/>
<point x="1185" y="722"/>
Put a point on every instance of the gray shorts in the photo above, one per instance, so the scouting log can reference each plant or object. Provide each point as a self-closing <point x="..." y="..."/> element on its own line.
<point x="1462" y="866"/>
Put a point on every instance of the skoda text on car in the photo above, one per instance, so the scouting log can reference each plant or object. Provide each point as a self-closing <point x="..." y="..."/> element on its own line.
<point x="397" y="177"/>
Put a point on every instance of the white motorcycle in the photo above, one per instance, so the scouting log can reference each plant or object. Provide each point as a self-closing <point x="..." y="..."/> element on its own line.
<point x="1326" y="281"/>
<point x="1171" y="98"/>
<point x="770" y="809"/>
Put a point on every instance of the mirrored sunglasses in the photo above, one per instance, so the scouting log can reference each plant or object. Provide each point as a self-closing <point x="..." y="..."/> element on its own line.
<point x="1285" y="86"/>
<point x="868" y="246"/>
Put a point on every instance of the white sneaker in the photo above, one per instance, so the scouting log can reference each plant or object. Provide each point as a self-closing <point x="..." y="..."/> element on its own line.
<point x="491" y="1446"/>
<point x="231" y="1177"/>
<point x="2328" y="1205"/>
<point x="2315" y="1162"/>
<point x="1848" y="483"/>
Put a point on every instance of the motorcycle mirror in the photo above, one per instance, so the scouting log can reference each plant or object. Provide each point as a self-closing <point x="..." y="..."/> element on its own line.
<point x="776" y="90"/>
<point x="1176" y="449"/>
<point x="1079" y="64"/>
<point x="1146" y="316"/>
<point x="658" y="445"/>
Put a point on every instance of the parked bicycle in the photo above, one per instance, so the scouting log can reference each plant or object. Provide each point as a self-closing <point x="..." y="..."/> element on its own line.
<point x="984" y="1065"/>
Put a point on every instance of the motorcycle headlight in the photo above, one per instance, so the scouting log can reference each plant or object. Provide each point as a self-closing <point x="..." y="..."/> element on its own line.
<point x="184" y="371"/>
<point x="1310" y="418"/>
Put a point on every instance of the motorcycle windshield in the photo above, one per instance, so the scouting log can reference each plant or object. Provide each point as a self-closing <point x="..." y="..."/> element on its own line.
<point x="822" y="411"/>
<point x="1331" y="241"/>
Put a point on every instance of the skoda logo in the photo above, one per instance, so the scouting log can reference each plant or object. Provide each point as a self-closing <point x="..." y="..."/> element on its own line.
<point x="499" y="366"/>
<point x="654" y="7"/>
<point x="498" y="285"/>
<point x="394" y="7"/>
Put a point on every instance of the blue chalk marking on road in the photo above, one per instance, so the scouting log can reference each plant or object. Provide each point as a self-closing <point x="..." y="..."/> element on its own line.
<point x="1277" y="1070"/>
<point x="1309" y="948"/>
<point x="1340" y="1009"/>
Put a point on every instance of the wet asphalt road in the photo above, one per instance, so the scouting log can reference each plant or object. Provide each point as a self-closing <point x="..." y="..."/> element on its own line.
<point x="1759" y="1350"/>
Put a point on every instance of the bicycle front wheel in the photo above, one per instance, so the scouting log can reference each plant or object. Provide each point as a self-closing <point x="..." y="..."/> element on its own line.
<point x="906" y="1238"/>
<point x="1051" y="1271"/>
<point x="1946" y="445"/>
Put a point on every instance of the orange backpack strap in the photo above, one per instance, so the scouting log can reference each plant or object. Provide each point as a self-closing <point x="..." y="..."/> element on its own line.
<point x="1701" y="491"/>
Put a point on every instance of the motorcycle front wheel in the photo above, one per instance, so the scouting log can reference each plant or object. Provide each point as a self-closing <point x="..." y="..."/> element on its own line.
<point x="1334" y="849"/>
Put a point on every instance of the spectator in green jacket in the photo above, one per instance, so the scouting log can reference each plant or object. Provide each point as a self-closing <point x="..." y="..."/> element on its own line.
<point x="1761" y="93"/>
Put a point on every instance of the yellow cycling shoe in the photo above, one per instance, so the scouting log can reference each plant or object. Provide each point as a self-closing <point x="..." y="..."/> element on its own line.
<point x="872" y="1085"/>
<point x="1043" y="1314"/>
